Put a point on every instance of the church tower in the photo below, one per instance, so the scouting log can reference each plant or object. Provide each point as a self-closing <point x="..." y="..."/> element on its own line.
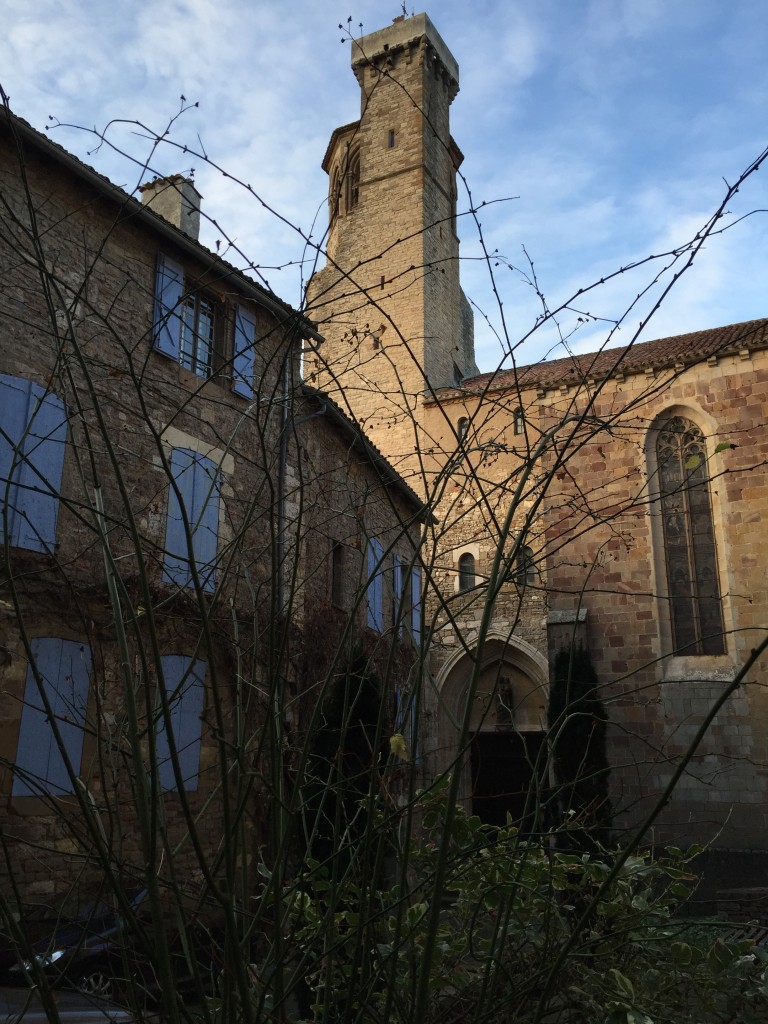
<point x="389" y="303"/>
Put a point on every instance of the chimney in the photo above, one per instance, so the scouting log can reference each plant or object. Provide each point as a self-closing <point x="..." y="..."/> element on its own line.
<point x="176" y="199"/>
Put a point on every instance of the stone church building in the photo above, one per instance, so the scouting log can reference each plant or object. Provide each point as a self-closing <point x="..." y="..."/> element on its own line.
<point x="172" y="484"/>
<point x="615" y="499"/>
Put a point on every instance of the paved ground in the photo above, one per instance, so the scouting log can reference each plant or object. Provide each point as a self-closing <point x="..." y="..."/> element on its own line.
<point x="21" y="1004"/>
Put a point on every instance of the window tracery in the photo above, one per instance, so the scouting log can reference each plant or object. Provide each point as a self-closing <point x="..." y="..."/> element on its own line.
<point x="690" y="554"/>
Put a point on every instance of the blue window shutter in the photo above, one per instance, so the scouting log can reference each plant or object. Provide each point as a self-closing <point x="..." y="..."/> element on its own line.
<point x="176" y="564"/>
<point x="197" y="480"/>
<point x="205" y="525"/>
<point x="375" y="591"/>
<point x="243" y="360"/>
<point x="397" y="593"/>
<point x="65" y="669"/>
<point x="39" y="479"/>
<point x="416" y="605"/>
<point x="33" y="433"/>
<point x="184" y="681"/>
<point x="169" y="291"/>
<point x="14" y="403"/>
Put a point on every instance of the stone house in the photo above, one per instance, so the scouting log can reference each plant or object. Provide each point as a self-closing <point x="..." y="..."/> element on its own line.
<point x="179" y="513"/>
<point x="614" y="499"/>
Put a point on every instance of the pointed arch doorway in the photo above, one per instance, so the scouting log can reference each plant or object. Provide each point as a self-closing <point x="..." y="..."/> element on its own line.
<point x="503" y="689"/>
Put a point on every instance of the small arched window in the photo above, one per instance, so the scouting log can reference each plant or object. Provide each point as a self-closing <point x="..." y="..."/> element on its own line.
<point x="695" y="609"/>
<point x="519" y="421"/>
<point x="466" y="572"/>
<point x="462" y="429"/>
<point x="353" y="180"/>
<point x="525" y="570"/>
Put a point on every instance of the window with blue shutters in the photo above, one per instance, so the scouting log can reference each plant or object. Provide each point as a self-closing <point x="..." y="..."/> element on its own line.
<point x="187" y="329"/>
<point x="53" y="718"/>
<point x="185" y="325"/>
<point x="179" y="729"/>
<point x="33" y="434"/>
<point x="375" y="589"/>
<point x="193" y="494"/>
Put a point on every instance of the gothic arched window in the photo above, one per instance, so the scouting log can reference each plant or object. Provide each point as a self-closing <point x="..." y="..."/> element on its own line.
<point x="695" y="610"/>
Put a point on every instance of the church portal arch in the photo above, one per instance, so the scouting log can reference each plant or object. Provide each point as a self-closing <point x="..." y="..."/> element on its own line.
<point x="502" y="688"/>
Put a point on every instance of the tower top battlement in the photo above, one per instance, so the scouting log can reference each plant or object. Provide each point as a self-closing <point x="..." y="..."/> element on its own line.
<point x="402" y="33"/>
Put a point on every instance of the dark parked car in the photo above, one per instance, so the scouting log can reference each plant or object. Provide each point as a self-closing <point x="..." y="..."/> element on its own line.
<point x="101" y="946"/>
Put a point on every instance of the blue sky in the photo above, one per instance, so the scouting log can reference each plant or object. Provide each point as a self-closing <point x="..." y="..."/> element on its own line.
<point x="614" y="123"/>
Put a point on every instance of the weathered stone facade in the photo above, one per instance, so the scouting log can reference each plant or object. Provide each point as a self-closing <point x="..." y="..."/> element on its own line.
<point x="170" y="517"/>
<point x="598" y="544"/>
<point x="551" y="523"/>
<point x="389" y="303"/>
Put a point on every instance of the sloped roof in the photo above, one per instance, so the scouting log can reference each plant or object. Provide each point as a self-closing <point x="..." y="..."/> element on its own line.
<point x="26" y="134"/>
<point x="360" y="442"/>
<point x="685" y="349"/>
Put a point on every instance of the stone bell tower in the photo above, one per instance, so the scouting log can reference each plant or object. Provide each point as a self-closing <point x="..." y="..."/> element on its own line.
<point x="388" y="301"/>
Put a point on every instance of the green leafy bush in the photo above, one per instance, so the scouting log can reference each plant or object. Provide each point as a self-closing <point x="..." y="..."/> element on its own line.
<point x="499" y="934"/>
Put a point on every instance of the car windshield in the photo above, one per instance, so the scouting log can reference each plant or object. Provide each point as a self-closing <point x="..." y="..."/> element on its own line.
<point x="77" y="907"/>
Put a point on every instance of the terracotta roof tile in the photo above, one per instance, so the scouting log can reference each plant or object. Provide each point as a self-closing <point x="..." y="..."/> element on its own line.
<point x="664" y="352"/>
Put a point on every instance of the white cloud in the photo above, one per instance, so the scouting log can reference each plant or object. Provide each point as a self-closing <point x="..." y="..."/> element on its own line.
<point x="612" y="120"/>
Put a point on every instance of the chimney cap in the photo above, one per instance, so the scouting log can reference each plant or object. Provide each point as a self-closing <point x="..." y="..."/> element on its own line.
<point x="177" y="199"/>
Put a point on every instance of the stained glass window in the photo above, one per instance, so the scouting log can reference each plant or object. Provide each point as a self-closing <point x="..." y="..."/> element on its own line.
<point x="689" y="540"/>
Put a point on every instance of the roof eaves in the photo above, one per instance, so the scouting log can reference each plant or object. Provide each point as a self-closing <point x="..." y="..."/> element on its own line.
<point x="655" y="355"/>
<point x="190" y="246"/>
<point x="384" y="469"/>
<point x="335" y="136"/>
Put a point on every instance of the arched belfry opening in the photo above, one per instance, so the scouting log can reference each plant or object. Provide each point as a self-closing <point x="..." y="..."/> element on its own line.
<point x="500" y="692"/>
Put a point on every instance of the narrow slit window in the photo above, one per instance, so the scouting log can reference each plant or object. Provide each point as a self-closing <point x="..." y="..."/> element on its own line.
<point x="353" y="180"/>
<point x="519" y="421"/>
<point x="525" y="573"/>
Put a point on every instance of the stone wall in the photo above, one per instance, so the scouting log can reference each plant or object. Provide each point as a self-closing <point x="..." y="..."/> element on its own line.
<point x="591" y="515"/>
<point x="388" y="301"/>
<point x="79" y="264"/>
